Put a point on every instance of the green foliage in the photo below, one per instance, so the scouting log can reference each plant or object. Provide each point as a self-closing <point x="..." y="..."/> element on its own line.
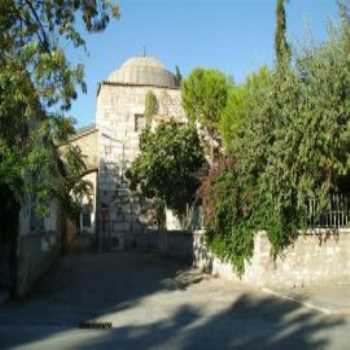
<point x="283" y="52"/>
<point x="151" y="106"/>
<point x="291" y="144"/>
<point x="178" y="76"/>
<point x="73" y="186"/>
<point x="204" y="96"/>
<point x="37" y="84"/>
<point x="225" y="214"/>
<point x="242" y="100"/>
<point x="29" y="32"/>
<point x="165" y="168"/>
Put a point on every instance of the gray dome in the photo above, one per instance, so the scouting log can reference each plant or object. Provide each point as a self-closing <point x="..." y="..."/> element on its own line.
<point x="143" y="71"/>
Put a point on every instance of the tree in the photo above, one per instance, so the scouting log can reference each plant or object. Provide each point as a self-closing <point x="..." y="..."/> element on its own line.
<point x="32" y="34"/>
<point x="242" y="100"/>
<point x="37" y="86"/>
<point x="283" y="52"/>
<point x="204" y="97"/>
<point x="167" y="164"/>
<point x="178" y="76"/>
<point x="292" y="146"/>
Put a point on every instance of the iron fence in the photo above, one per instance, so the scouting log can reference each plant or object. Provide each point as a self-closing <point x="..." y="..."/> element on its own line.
<point x="337" y="214"/>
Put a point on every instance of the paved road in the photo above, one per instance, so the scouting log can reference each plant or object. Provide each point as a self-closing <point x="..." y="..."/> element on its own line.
<point x="157" y="303"/>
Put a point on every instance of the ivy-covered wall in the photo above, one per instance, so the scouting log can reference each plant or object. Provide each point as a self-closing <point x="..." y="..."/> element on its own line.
<point x="315" y="258"/>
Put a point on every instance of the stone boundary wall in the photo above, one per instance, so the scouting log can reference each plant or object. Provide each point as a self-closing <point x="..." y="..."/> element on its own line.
<point x="36" y="254"/>
<point x="316" y="258"/>
<point x="177" y="244"/>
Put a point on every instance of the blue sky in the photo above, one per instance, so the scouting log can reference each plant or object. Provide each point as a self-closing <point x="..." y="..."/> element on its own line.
<point x="235" y="36"/>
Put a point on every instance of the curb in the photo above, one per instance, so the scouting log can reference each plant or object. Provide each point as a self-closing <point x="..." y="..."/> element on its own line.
<point x="306" y="304"/>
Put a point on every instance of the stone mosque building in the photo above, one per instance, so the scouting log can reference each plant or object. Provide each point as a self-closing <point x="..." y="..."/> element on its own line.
<point x="111" y="144"/>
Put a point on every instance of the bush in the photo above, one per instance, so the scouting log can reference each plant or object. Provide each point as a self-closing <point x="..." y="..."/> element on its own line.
<point x="290" y="140"/>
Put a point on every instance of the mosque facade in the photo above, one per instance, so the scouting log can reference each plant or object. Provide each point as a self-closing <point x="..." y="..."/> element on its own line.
<point x="113" y="213"/>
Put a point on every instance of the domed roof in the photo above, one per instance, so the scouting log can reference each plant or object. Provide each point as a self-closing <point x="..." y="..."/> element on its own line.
<point x="143" y="71"/>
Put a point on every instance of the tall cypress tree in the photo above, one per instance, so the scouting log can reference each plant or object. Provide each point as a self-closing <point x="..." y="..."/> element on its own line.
<point x="344" y="14"/>
<point x="178" y="76"/>
<point x="283" y="52"/>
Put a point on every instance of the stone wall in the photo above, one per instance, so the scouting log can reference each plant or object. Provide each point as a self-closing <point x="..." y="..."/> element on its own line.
<point x="315" y="258"/>
<point x="119" y="123"/>
<point x="36" y="253"/>
<point x="87" y="142"/>
<point x="177" y="244"/>
<point x="37" y="247"/>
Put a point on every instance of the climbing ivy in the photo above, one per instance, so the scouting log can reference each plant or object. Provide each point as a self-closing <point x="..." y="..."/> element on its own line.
<point x="151" y="106"/>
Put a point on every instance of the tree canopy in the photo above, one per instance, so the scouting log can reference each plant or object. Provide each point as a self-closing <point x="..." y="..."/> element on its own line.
<point x="204" y="96"/>
<point x="178" y="76"/>
<point x="286" y="142"/>
<point x="167" y="164"/>
<point x="242" y="100"/>
<point x="282" y="48"/>
<point x="37" y="86"/>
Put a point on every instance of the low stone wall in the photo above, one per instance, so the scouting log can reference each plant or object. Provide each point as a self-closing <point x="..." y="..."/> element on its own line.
<point x="177" y="244"/>
<point x="315" y="258"/>
<point x="37" y="252"/>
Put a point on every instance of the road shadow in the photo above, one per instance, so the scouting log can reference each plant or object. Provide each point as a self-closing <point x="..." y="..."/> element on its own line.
<point x="83" y="287"/>
<point x="267" y="323"/>
<point x="95" y="287"/>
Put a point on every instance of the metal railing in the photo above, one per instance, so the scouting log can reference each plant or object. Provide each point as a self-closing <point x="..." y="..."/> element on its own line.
<point x="337" y="215"/>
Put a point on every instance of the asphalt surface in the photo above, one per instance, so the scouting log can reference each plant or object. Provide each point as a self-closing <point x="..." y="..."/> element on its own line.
<point x="157" y="303"/>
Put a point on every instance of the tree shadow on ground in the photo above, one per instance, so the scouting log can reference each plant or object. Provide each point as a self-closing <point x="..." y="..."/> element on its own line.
<point x="84" y="287"/>
<point x="251" y="321"/>
<point x="248" y="323"/>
